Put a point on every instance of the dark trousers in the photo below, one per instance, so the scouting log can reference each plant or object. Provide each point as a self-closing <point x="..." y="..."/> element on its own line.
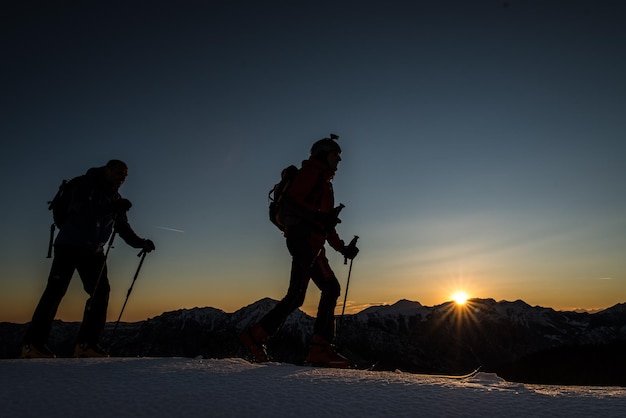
<point x="308" y="262"/>
<point x="66" y="261"/>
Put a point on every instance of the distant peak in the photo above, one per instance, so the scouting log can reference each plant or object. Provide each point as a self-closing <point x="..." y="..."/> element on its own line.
<point x="401" y="307"/>
<point x="407" y="303"/>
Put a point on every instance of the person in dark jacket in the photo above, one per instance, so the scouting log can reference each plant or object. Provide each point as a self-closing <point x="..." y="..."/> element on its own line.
<point x="309" y="218"/>
<point x="93" y="211"/>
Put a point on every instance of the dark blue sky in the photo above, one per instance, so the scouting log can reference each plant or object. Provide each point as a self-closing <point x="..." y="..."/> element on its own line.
<point x="483" y="144"/>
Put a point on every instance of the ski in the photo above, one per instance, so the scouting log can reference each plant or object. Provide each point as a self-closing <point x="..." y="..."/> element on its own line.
<point x="451" y="376"/>
<point x="372" y="368"/>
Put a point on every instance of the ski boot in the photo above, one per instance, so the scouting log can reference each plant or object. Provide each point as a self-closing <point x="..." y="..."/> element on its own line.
<point x="83" y="350"/>
<point x="37" y="351"/>
<point x="322" y="354"/>
<point x="254" y="338"/>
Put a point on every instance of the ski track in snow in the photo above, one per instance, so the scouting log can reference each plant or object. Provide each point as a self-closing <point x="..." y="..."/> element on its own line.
<point x="167" y="387"/>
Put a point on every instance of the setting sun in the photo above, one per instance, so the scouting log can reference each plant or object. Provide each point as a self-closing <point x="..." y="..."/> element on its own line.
<point x="460" y="298"/>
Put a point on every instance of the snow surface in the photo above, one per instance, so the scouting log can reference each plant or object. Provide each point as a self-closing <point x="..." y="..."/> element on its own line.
<point x="169" y="387"/>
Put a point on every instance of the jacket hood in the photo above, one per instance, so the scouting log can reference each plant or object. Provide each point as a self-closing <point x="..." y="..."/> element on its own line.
<point x="320" y="166"/>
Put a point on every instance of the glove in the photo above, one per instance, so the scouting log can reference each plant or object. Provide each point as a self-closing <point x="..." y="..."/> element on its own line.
<point x="330" y="219"/>
<point x="121" y="205"/>
<point x="147" y="245"/>
<point x="349" y="251"/>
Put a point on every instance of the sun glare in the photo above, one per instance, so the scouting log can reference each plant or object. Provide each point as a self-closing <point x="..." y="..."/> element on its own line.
<point x="460" y="298"/>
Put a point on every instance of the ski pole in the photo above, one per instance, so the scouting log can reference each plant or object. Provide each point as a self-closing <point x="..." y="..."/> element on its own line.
<point x="141" y="254"/>
<point x="51" y="243"/>
<point x="345" y="295"/>
<point x="110" y="245"/>
<point x="104" y="263"/>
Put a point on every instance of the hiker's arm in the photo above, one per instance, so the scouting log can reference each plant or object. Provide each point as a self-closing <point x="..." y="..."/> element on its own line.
<point x="334" y="240"/>
<point x="129" y="236"/>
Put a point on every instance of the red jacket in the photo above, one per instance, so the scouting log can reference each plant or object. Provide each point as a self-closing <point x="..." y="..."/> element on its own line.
<point x="312" y="192"/>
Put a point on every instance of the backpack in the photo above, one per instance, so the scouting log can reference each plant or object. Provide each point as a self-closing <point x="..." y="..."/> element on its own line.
<point x="60" y="206"/>
<point x="277" y="195"/>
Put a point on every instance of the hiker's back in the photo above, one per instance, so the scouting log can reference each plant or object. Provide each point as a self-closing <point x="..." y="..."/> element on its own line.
<point x="278" y="196"/>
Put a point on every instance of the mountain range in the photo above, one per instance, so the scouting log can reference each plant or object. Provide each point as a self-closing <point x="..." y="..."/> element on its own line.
<point x="517" y="341"/>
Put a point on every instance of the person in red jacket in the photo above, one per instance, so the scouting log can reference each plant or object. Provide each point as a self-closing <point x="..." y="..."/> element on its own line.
<point x="309" y="218"/>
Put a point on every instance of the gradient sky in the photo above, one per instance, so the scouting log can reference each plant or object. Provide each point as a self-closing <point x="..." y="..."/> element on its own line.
<point x="483" y="145"/>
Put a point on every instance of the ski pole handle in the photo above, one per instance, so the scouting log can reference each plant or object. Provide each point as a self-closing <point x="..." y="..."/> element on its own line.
<point x="351" y="245"/>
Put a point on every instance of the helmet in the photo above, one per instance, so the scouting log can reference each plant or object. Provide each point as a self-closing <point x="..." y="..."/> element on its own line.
<point x="325" y="145"/>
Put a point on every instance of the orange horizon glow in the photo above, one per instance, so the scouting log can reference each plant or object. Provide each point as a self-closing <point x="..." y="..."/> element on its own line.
<point x="144" y="305"/>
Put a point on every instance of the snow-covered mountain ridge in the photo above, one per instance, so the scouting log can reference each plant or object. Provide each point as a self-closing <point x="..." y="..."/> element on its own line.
<point x="516" y="340"/>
